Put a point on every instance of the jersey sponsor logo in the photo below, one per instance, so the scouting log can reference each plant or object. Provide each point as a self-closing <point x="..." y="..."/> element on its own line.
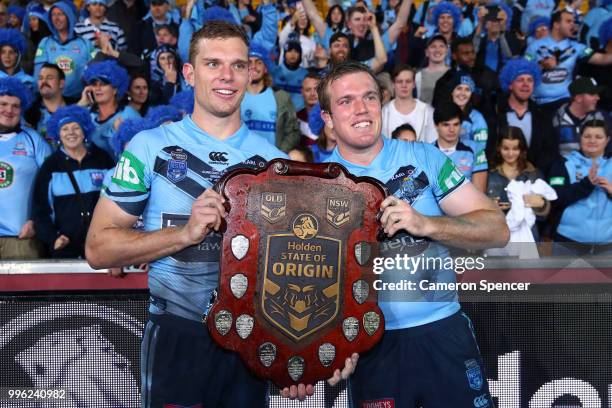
<point x="481" y="158"/>
<point x="208" y="250"/>
<point x="65" y="63"/>
<point x="6" y="174"/>
<point x="379" y="403"/>
<point x="218" y="157"/>
<point x="39" y="52"/>
<point x="557" y="181"/>
<point x="129" y="173"/>
<point x="481" y="135"/>
<point x="482" y="401"/>
<point x="19" y="149"/>
<point x="449" y="177"/>
<point x="474" y="375"/>
<point x="97" y="177"/>
<point x="554" y="76"/>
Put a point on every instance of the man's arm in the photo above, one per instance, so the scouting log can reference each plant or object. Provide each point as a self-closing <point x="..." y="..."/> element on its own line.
<point x="400" y="21"/>
<point x="600" y="59"/>
<point x="380" y="53"/>
<point x="315" y="17"/>
<point x="111" y="241"/>
<point x="473" y="221"/>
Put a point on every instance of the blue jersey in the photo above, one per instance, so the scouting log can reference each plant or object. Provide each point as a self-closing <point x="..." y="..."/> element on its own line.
<point x="159" y="175"/>
<point x="104" y="130"/>
<point x="290" y="81"/>
<point x="259" y="114"/>
<point x="22" y="153"/>
<point x="422" y="176"/>
<point x="555" y="82"/>
<point x="475" y="128"/>
<point x="468" y="156"/>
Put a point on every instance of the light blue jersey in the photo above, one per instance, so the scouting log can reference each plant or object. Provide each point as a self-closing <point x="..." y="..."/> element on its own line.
<point x="290" y="81"/>
<point x="422" y="176"/>
<point x="555" y="82"/>
<point x="258" y="112"/>
<point x="475" y="128"/>
<point x="159" y="175"/>
<point x="22" y="153"/>
<point x="469" y="157"/>
<point x="104" y="130"/>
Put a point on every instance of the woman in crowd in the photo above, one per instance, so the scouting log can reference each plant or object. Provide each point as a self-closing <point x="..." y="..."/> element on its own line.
<point x="335" y="18"/>
<point x="107" y="83"/>
<point x="510" y="163"/>
<point x="166" y="75"/>
<point x="68" y="184"/>
<point x="473" y="126"/>
<point x="298" y="29"/>
<point x="12" y="50"/>
<point x="138" y="93"/>
<point x="583" y="182"/>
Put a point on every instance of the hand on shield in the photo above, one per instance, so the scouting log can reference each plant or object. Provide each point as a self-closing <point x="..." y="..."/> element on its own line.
<point x="399" y="215"/>
<point x="207" y="213"/>
<point x="301" y="391"/>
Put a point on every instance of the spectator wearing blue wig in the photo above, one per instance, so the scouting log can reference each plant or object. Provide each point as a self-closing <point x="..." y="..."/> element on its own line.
<point x="12" y="49"/>
<point x="68" y="184"/>
<point x="107" y="83"/>
<point x="183" y="101"/>
<point x="326" y="142"/>
<point x="493" y="43"/>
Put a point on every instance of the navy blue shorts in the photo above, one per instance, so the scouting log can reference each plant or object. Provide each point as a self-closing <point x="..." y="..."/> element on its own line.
<point x="436" y="365"/>
<point x="182" y="366"/>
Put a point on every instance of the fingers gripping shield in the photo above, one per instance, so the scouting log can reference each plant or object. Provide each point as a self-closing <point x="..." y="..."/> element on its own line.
<point x="295" y="297"/>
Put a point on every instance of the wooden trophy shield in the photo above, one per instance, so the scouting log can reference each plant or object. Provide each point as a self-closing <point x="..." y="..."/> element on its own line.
<point x="295" y="294"/>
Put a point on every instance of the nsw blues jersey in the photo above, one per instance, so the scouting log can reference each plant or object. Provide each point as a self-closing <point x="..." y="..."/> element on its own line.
<point x="422" y="176"/>
<point x="556" y="81"/>
<point x="159" y="175"/>
<point x="21" y="155"/>
<point x="290" y="81"/>
<point x="468" y="156"/>
<point x="259" y="113"/>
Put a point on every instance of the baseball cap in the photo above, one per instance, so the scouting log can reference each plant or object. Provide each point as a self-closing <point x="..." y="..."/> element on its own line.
<point x="437" y="37"/>
<point x="585" y="85"/>
<point x="158" y="2"/>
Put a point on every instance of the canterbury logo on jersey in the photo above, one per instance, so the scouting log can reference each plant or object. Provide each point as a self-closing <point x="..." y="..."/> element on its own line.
<point x="218" y="157"/>
<point x="129" y="172"/>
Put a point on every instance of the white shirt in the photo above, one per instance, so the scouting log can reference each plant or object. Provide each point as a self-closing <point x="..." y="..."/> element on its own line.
<point x="421" y="119"/>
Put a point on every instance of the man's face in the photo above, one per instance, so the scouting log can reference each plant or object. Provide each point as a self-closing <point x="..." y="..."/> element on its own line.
<point x="10" y="111"/>
<point x="257" y="69"/>
<point x="355" y="115"/>
<point x="292" y="57"/>
<point x="59" y="19"/>
<point x="96" y="10"/>
<point x="522" y="87"/>
<point x="339" y="50"/>
<point x="566" y="25"/>
<point x="465" y="55"/>
<point x="493" y="26"/>
<point x="3" y="15"/>
<point x="309" y="91"/>
<point x="436" y="52"/>
<point x="404" y="85"/>
<point x="449" y="130"/>
<point x="8" y="56"/>
<point x="163" y="36"/>
<point x="49" y="83"/>
<point x="587" y="102"/>
<point x="358" y="24"/>
<point x="159" y="9"/>
<point x="445" y="24"/>
<point x="219" y="74"/>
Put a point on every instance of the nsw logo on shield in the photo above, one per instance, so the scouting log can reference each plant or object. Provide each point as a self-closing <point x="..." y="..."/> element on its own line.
<point x="177" y="170"/>
<point x="338" y="211"/>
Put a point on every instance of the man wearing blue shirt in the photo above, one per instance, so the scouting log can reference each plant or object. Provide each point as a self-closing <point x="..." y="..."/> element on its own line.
<point x="428" y="356"/>
<point x="166" y="174"/>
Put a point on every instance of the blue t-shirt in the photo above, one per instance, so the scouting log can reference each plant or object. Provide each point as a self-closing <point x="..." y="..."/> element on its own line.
<point x="159" y="175"/>
<point x="258" y="112"/>
<point x="22" y="153"/>
<point x="555" y="82"/>
<point x="422" y="176"/>
<point x="290" y="81"/>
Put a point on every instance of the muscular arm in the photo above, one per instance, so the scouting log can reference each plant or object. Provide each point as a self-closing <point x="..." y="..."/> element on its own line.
<point x="111" y="241"/>
<point x="472" y="220"/>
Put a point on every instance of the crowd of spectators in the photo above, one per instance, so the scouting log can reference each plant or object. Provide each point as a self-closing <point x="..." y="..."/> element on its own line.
<point x="528" y="79"/>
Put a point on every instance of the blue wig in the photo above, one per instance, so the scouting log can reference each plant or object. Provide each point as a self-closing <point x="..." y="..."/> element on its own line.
<point x="217" y="13"/>
<point x="509" y="14"/>
<point x="183" y="101"/>
<point x="446" y="7"/>
<point x="127" y="130"/>
<point x="259" y="51"/>
<point x="537" y="23"/>
<point x="110" y="72"/>
<point x="516" y="67"/>
<point x="158" y="115"/>
<point x="315" y="123"/>
<point x="11" y="86"/>
<point x="605" y="33"/>
<point x="19" y="12"/>
<point x="14" y="38"/>
<point x="69" y="114"/>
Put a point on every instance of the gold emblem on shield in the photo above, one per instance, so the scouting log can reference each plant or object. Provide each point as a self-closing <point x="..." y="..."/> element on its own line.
<point x="338" y="211"/>
<point x="273" y="206"/>
<point x="305" y="226"/>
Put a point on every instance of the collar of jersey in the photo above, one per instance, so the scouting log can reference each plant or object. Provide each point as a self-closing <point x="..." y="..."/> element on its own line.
<point x="234" y="140"/>
<point x="378" y="164"/>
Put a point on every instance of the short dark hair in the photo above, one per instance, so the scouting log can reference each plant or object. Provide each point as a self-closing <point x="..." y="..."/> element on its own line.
<point x="216" y="29"/>
<point x="556" y="16"/>
<point x="459" y="41"/>
<point x="172" y="29"/>
<point x="313" y="75"/>
<point x="336" y="36"/>
<point x="398" y="69"/>
<point x="59" y="71"/>
<point x="594" y="123"/>
<point x="398" y="130"/>
<point x="337" y="72"/>
<point x="447" y="111"/>
<point x="355" y="9"/>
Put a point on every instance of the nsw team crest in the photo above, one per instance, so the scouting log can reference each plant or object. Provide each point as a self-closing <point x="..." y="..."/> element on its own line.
<point x="177" y="167"/>
<point x="338" y="211"/>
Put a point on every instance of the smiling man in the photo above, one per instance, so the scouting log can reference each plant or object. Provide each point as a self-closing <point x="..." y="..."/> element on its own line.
<point x="428" y="345"/>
